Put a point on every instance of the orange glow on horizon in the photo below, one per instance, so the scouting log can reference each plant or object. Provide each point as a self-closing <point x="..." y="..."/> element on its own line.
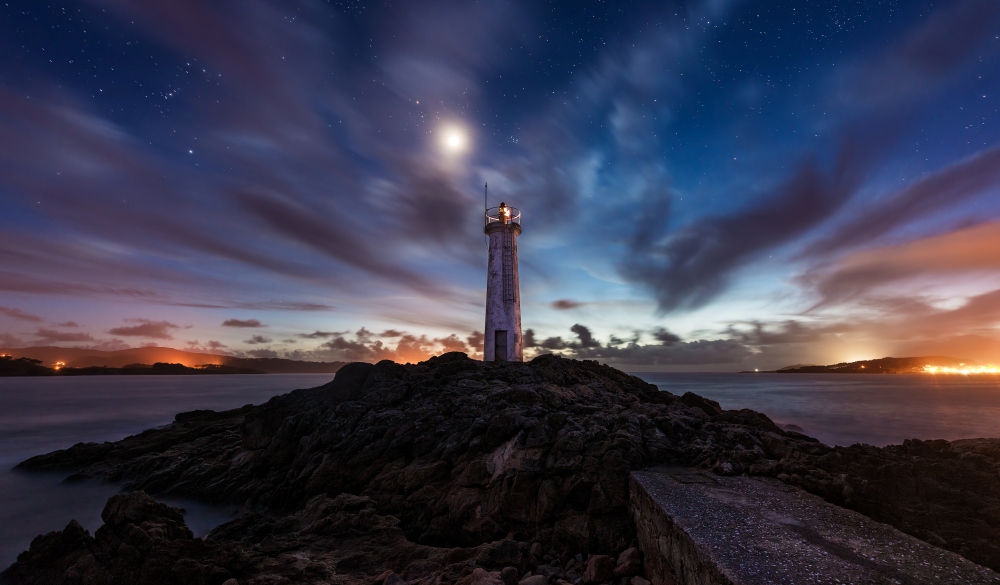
<point x="962" y="369"/>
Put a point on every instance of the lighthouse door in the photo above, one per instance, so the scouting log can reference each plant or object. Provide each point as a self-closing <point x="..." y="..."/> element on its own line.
<point x="500" y="346"/>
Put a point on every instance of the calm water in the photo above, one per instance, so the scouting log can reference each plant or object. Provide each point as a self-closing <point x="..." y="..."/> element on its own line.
<point x="38" y="415"/>
<point x="856" y="408"/>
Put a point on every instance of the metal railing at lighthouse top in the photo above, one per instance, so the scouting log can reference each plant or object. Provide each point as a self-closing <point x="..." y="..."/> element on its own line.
<point x="495" y="215"/>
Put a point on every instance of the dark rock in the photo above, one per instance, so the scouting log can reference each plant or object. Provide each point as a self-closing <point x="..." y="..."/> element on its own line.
<point x="629" y="563"/>
<point x="500" y="553"/>
<point x="421" y="568"/>
<point x="600" y="569"/>
<point x="549" y="571"/>
<point x="509" y="576"/>
<point x="709" y="407"/>
<point x="454" y="461"/>
<point x="481" y="576"/>
<point x="534" y="580"/>
<point x="139" y="543"/>
<point x="537" y="550"/>
<point x="348" y="383"/>
<point x="946" y="493"/>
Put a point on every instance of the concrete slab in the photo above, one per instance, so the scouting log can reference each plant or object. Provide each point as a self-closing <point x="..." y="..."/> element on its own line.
<point x="696" y="528"/>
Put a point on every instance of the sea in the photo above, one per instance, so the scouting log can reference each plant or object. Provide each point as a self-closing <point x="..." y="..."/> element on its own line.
<point x="39" y="415"/>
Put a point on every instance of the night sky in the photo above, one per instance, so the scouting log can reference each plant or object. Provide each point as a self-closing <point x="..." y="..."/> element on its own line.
<point x="705" y="185"/>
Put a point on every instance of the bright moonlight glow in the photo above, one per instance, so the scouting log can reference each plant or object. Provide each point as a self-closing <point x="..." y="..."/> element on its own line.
<point x="453" y="140"/>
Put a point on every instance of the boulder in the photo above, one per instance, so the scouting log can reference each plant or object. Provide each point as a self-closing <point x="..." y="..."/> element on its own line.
<point x="600" y="569"/>
<point x="629" y="563"/>
<point x="480" y="576"/>
<point x="500" y="553"/>
<point x="509" y="576"/>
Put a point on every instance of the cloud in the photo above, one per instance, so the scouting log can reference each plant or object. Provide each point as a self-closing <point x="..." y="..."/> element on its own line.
<point x="369" y="347"/>
<point x="210" y="347"/>
<point x="8" y="340"/>
<point x="974" y="176"/>
<point x="566" y="304"/>
<point x="790" y="331"/>
<point x="665" y="337"/>
<point x="68" y="324"/>
<point x="691" y="353"/>
<point x="108" y="345"/>
<point x="452" y="343"/>
<point x="145" y="328"/>
<point x="320" y="334"/>
<point x="671" y="351"/>
<point x="262" y="353"/>
<point x="920" y="61"/>
<point x="687" y="268"/>
<point x="257" y="339"/>
<point x="586" y="339"/>
<point x="19" y="315"/>
<point x="54" y="336"/>
<point x="476" y="340"/>
<point x="879" y="326"/>
<point x="528" y="339"/>
<point x="242" y="323"/>
<point x="552" y="343"/>
<point x="302" y="225"/>
<point x="974" y="249"/>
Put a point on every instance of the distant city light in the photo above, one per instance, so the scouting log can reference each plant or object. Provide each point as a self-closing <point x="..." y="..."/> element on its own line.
<point x="962" y="369"/>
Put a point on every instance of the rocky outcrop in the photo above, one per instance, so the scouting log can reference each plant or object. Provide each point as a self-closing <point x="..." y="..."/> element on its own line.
<point x="946" y="493"/>
<point x="460" y="451"/>
<point x="141" y="542"/>
<point x="471" y="471"/>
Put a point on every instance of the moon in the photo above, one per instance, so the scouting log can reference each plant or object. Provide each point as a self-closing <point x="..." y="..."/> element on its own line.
<point x="453" y="140"/>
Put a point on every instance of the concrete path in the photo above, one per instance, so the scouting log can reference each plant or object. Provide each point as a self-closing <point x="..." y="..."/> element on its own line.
<point x="699" y="529"/>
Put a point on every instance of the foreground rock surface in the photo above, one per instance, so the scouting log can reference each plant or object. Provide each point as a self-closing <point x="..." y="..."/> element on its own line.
<point x="463" y="466"/>
<point x="758" y="531"/>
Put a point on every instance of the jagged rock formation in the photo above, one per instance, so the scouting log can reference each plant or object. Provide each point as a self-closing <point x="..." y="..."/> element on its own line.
<point x="451" y="469"/>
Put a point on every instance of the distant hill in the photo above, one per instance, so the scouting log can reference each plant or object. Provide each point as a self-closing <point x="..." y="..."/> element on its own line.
<point x="72" y="357"/>
<point x="887" y="365"/>
<point x="22" y="366"/>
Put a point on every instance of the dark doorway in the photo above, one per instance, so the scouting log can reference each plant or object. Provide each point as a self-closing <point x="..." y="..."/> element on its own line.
<point x="500" y="346"/>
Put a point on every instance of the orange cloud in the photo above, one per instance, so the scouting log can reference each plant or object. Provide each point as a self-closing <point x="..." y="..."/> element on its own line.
<point x="968" y="250"/>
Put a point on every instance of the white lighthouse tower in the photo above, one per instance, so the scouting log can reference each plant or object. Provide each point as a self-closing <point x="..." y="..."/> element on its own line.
<point x="503" y="297"/>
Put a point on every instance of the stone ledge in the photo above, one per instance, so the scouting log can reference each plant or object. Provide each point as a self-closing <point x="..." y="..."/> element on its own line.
<point x="699" y="529"/>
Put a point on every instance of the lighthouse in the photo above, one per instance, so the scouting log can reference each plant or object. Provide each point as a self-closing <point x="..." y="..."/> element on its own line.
<point x="503" y="297"/>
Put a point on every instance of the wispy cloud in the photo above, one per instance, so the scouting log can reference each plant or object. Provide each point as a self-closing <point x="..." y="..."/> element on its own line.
<point x="242" y="323"/>
<point x="19" y="315"/>
<point x="56" y="336"/>
<point x="145" y="328"/>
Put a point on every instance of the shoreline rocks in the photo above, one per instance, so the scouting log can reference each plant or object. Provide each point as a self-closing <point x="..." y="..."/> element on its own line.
<point x="473" y="471"/>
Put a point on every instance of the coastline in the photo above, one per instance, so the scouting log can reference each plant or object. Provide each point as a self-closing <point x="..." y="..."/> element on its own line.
<point x="503" y="452"/>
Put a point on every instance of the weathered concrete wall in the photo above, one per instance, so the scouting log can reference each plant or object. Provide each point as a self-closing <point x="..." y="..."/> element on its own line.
<point x="699" y="529"/>
<point x="501" y="314"/>
<point x="671" y="556"/>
